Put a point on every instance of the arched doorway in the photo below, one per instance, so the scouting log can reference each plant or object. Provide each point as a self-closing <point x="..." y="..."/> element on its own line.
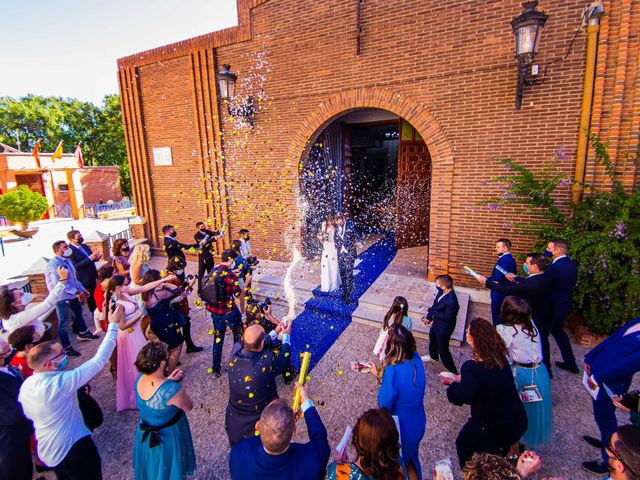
<point x="373" y="165"/>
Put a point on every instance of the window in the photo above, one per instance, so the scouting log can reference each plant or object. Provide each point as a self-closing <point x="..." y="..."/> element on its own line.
<point x="63" y="187"/>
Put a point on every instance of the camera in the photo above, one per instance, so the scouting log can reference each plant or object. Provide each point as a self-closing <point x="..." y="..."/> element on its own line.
<point x="189" y="277"/>
<point x="265" y="304"/>
<point x="252" y="261"/>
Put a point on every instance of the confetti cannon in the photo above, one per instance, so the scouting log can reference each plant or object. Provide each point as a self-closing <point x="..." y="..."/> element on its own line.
<point x="302" y="378"/>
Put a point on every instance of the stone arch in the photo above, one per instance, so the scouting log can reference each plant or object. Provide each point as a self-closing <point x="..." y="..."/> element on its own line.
<point x="430" y="130"/>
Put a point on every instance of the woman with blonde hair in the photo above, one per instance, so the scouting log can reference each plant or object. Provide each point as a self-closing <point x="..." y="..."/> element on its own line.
<point x="139" y="263"/>
<point x="402" y="387"/>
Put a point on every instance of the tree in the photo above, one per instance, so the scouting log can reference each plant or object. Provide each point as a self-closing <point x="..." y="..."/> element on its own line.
<point x="22" y="205"/>
<point x="51" y="119"/>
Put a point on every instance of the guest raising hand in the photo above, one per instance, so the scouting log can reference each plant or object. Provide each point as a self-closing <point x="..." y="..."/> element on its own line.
<point x="498" y="418"/>
<point x="402" y="390"/>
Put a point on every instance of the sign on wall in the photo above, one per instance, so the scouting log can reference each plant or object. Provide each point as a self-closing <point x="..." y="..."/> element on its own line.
<point x="162" y="156"/>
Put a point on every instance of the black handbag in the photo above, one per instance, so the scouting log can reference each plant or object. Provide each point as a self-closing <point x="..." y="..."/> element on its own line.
<point x="90" y="409"/>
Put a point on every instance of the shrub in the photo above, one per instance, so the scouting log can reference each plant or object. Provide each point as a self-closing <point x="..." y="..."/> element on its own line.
<point x="21" y="205"/>
<point x="603" y="232"/>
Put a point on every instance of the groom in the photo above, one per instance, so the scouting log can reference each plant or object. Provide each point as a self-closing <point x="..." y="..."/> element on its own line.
<point x="347" y="238"/>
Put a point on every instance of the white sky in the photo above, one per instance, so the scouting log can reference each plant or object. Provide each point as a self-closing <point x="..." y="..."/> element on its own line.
<point x="69" y="48"/>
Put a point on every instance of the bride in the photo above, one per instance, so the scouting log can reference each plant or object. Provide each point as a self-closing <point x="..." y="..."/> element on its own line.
<point x="329" y="276"/>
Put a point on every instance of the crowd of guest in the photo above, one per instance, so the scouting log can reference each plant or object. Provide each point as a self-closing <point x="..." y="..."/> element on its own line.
<point x="47" y="413"/>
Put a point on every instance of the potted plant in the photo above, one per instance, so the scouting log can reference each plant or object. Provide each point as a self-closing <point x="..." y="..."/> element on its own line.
<point x="21" y="205"/>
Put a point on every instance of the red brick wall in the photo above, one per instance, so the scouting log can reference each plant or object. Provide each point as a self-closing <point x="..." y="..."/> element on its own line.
<point x="100" y="183"/>
<point x="447" y="67"/>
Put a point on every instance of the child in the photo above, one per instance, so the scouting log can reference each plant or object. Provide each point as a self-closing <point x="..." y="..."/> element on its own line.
<point x="441" y="316"/>
<point x="397" y="315"/>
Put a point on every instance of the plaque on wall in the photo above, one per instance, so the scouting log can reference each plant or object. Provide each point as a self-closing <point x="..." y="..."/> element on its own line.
<point x="162" y="156"/>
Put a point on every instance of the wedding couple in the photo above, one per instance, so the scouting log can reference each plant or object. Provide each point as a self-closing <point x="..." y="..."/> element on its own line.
<point x="339" y="241"/>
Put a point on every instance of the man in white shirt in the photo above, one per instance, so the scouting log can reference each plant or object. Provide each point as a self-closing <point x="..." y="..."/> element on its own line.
<point x="49" y="398"/>
<point x="245" y="246"/>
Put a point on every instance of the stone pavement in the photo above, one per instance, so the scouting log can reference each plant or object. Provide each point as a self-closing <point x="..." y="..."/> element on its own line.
<point x="341" y="396"/>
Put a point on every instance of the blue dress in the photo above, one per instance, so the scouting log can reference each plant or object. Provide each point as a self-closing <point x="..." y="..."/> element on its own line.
<point x="175" y="457"/>
<point x="402" y="393"/>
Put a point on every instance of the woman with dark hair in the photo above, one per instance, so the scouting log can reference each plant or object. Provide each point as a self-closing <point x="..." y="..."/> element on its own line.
<point x="123" y="309"/>
<point x="377" y="444"/>
<point x="498" y="419"/>
<point x="402" y="386"/>
<point x="176" y="266"/>
<point x="522" y="339"/>
<point x="22" y="340"/>
<point x="163" y="447"/>
<point x="166" y="321"/>
<point x="398" y="314"/>
<point x="120" y="252"/>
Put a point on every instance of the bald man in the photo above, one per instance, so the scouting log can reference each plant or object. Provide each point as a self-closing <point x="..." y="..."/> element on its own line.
<point x="253" y="367"/>
<point x="15" y="428"/>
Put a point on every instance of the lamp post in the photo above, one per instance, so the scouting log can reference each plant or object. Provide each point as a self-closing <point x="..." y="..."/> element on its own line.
<point x="527" y="28"/>
<point x="227" y="82"/>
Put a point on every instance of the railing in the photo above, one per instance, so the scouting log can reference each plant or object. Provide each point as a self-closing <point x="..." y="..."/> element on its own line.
<point x="94" y="210"/>
<point x="60" y="210"/>
<point x="124" y="234"/>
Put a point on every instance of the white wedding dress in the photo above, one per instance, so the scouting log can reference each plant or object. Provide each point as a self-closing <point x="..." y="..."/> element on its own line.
<point x="329" y="275"/>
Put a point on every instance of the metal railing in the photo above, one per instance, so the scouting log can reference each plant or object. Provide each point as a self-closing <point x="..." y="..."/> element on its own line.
<point x="94" y="210"/>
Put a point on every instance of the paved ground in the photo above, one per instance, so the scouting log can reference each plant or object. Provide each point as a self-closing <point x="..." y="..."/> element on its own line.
<point x="341" y="396"/>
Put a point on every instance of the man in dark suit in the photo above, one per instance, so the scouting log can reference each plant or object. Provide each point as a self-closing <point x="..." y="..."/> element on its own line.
<point x="272" y="455"/>
<point x="563" y="275"/>
<point x="254" y="366"/>
<point x="15" y="428"/>
<point x="506" y="262"/>
<point x="84" y="260"/>
<point x="612" y="363"/>
<point x="535" y="289"/>
<point x="205" y="239"/>
<point x="347" y="237"/>
<point x="172" y="247"/>
<point x="442" y="318"/>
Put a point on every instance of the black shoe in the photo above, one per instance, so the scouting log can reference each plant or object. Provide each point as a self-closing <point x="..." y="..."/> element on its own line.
<point x="597" y="467"/>
<point x="594" y="442"/>
<point x="567" y="367"/>
<point x="194" y="348"/>
<point x="87" y="336"/>
<point x="70" y="352"/>
<point x="42" y="468"/>
<point x="216" y="374"/>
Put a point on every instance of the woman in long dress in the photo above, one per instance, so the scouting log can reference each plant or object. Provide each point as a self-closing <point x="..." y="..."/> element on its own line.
<point x="525" y="356"/>
<point x="329" y="275"/>
<point x="163" y="447"/>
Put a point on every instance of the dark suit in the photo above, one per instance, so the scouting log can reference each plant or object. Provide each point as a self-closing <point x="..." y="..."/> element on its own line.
<point x="173" y="248"/>
<point x="613" y="362"/>
<point x="205" y="254"/>
<point x="507" y="262"/>
<point x="345" y="241"/>
<point x="443" y="313"/>
<point x="249" y="460"/>
<point x="536" y="291"/>
<point x="262" y="368"/>
<point x="15" y="430"/>
<point x="563" y="275"/>
<point x="86" y="271"/>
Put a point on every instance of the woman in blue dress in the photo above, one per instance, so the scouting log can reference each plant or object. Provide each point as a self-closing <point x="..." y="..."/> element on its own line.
<point x="402" y="386"/>
<point x="163" y="448"/>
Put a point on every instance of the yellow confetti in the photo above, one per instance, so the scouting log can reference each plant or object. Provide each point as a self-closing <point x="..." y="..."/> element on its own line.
<point x="250" y="394"/>
<point x="218" y="339"/>
<point x="210" y="332"/>
<point x="339" y="372"/>
<point x="247" y="378"/>
<point x="209" y="370"/>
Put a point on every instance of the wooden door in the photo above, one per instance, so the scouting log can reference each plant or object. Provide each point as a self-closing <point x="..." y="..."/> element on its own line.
<point x="413" y="193"/>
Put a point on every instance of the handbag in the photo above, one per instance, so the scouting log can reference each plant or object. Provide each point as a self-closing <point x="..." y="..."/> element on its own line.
<point x="528" y="393"/>
<point x="90" y="409"/>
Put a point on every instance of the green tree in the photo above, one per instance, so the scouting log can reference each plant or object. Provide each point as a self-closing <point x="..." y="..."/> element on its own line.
<point x="21" y="205"/>
<point x="51" y="119"/>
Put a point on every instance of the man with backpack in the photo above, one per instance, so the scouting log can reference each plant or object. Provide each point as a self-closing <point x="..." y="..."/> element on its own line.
<point x="219" y="292"/>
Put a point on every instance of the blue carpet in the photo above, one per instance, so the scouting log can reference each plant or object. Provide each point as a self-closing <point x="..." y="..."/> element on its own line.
<point x="326" y="316"/>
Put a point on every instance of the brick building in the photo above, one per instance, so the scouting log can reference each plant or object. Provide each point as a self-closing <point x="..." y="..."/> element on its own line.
<point x="420" y="90"/>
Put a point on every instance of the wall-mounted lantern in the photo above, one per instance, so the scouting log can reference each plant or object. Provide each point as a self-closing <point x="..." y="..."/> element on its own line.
<point x="527" y="28"/>
<point x="227" y="81"/>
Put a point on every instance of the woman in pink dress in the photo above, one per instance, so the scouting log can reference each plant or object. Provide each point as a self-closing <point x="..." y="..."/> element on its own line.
<point x="130" y="339"/>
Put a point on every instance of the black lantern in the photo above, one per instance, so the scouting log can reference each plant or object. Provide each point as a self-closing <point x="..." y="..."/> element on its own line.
<point x="527" y="27"/>
<point x="227" y="81"/>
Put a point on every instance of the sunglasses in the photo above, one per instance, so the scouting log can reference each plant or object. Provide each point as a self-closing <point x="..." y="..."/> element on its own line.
<point x="124" y="249"/>
<point x="613" y="453"/>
